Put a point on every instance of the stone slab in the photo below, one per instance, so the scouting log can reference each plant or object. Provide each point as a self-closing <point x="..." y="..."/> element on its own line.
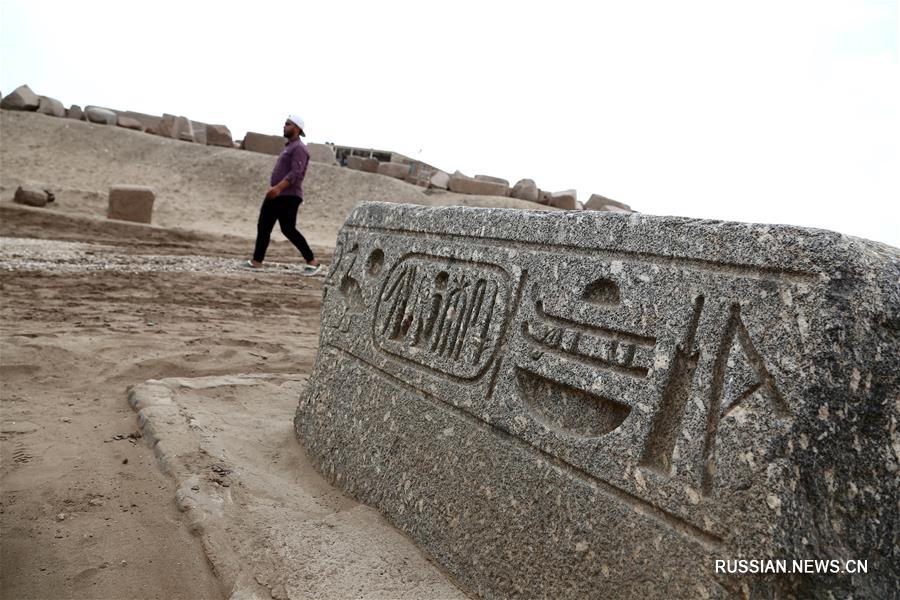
<point x="396" y="170"/>
<point x="131" y="203"/>
<point x="75" y="112"/>
<point x="591" y="404"/>
<point x="21" y="98"/>
<point x="219" y="135"/>
<point x="266" y="144"/>
<point x="467" y="185"/>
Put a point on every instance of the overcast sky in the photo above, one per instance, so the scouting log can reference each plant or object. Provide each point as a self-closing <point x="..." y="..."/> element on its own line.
<point x="776" y="112"/>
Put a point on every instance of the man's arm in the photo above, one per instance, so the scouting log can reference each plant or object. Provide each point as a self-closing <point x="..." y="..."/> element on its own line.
<point x="276" y="189"/>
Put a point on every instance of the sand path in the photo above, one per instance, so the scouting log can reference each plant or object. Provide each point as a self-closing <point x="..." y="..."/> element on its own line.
<point x="85" y="509"/>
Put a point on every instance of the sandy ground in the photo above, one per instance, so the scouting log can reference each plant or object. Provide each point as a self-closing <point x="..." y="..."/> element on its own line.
<point x="205" y="493"/>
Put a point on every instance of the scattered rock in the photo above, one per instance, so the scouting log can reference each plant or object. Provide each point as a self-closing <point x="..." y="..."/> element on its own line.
<point x="179" y="128"/>
<point x="525" y="189"/>
<point x="490" y="179"/>
<point x="129" y="123"/>
<point x="30" y="195"/>
<point x="22" y="98"/>
<point x="103" y="116"/>
<point x="131" y="203"/>
<point x="221" y="470"/>
<point x="461" y="184"/>
<point x="266" y="144"/>
<point x="219" y="135"/>
<point x="598" y="202"/>
<point x="166" y="127"/>
<point x="363" y="163"/>
<point x="565" y="200"/>
<point x="198" y="133"/>
<point x="391" y="169"/>
<point x="147" y="121"/>
<point x="439" y="180"/>
<point x="51" y="106"/>
<point x="322" y="153"/>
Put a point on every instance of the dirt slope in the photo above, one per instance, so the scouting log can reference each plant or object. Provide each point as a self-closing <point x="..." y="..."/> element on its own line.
<point x="203" y="188"/>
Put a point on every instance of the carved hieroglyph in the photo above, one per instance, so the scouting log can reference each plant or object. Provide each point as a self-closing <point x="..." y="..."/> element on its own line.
<point x="588" y="405"/>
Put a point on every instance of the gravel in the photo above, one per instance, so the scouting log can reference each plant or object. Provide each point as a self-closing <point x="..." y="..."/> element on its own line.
<point x="27" y="254"/>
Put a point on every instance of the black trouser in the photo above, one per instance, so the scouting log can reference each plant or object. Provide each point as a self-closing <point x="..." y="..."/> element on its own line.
<point x="284" y="210"/>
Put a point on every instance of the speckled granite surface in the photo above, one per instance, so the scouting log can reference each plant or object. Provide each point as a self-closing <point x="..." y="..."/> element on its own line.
<point x="603" y="405"/>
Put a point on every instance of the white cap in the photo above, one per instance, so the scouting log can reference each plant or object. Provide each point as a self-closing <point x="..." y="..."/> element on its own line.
<point x="298" y="121"/>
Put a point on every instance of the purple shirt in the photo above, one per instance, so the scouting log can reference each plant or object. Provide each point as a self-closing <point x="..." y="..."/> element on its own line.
<point x="291" y="165"/>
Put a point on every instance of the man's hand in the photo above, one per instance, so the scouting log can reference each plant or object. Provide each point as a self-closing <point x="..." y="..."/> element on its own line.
<point x="276" y="190"/>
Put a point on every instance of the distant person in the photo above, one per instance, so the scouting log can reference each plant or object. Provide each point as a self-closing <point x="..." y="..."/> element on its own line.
<point x="283" y="199"/>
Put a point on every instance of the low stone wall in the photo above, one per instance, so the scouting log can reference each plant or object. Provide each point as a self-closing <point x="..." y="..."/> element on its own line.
<point x="574" y="405"/>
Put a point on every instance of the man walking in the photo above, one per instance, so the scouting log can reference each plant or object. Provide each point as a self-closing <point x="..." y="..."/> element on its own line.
<point x="284" y="197"/>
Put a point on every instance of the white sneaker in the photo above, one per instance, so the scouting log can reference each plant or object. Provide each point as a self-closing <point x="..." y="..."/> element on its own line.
<point x="310" y="270"/>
